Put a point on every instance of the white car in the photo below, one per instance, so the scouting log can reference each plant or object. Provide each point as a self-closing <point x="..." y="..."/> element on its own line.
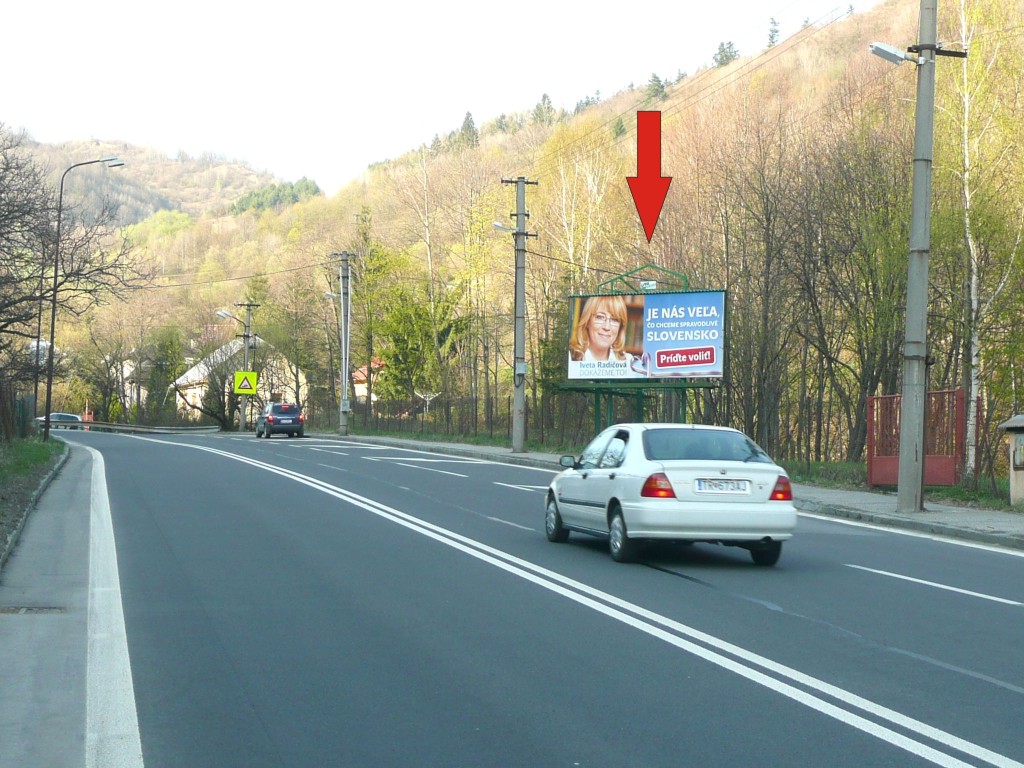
<point x="683" y="482"/>
<point x="61" y="420"/>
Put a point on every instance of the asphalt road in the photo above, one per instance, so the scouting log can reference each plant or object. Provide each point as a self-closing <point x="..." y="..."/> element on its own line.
<point x="295" y="602"/>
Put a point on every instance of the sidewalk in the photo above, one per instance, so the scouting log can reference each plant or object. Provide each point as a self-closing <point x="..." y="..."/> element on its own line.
<point x="43" y="626"/>
<point x="984" y="526"/>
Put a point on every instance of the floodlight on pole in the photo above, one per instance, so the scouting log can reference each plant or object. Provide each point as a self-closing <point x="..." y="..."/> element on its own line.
<point x="891" y="53"/>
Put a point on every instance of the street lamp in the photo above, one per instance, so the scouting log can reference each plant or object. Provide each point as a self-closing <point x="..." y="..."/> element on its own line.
<point x="246" y="335"/>
<point x="110" y="162"/>
<point x="910" y="482"/>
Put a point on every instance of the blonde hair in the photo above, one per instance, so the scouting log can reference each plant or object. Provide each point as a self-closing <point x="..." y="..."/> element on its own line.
<point x="614" y="306"/>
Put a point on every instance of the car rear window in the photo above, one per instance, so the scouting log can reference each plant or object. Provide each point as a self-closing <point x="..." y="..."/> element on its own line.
<point x="285" y="408"/>
<point x="701" y="445"/>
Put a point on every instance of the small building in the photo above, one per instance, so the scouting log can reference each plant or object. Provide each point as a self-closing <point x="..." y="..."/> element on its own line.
<point x="1015" y="430"/>
<point x="360" y="383"/>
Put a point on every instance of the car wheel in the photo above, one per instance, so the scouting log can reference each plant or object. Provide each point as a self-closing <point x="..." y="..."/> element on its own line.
<point x="622" y="548"/>
<point x="302" y="433"/>
<point x="766" y="554"/>
<point x="553" y="524"/>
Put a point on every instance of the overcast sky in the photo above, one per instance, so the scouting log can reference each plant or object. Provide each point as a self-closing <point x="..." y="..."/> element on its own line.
<point x="323" y="89"/>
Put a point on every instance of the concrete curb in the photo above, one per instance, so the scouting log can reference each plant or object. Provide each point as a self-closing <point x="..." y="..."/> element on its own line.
<point x="1008" y="540"/>
<point x="12" y="539"/>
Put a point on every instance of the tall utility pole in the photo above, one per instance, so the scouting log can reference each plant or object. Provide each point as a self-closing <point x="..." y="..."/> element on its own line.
<point x="519" y="349"/>
<point x="913" y="406"/>
<point x="344" y="334"/>
<point x="910" y="488"/>
<point x="346" y="315"/>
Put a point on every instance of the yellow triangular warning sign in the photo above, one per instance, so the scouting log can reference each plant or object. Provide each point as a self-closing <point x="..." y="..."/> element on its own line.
<point x="245" y="383"/>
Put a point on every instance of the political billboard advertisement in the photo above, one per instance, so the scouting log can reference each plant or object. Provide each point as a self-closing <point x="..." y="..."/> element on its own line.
<point x="647" y="336"/>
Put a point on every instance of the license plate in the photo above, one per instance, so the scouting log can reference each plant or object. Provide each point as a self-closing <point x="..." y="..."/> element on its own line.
<point x="716" y="485"/>
<point x="286" y="421"/>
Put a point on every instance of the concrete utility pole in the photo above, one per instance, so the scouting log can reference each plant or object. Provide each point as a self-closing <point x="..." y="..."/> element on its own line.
<point x="346" y="315"/>
<point x="913" y="407"/>
<point x="246" y="336"/>
<point x="519" y="352"/>
<point x="344" y="323"/>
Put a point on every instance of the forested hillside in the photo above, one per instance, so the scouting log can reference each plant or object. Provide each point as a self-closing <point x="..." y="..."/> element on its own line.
<point x="152" y="181"/>
<point x="791" y="190"/>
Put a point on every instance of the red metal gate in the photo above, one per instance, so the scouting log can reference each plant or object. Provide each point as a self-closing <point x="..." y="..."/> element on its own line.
<point x="944" y="438"/>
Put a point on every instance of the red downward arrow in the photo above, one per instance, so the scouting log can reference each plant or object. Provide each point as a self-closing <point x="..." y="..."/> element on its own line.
<point x="649" y="187"/>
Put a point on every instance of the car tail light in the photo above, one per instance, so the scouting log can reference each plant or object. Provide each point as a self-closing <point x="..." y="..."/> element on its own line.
<point x="783" y="491"/>
<point x="657" y="486"/>
<point x="270" y="419"/>
<point x="302" y="419"/>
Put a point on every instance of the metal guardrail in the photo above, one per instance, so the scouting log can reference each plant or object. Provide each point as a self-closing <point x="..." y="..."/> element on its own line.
<point x="110" y="426"/>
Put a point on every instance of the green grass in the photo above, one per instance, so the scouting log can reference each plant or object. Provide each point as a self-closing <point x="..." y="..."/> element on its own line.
<point x="23" y="457"/>
<point x="23" y="465"/>
<point x="835" y="474"/>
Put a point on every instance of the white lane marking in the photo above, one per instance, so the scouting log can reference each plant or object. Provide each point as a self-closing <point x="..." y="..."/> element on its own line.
<point x="111" y="720"/>
<point x="915" y="534"/>
<point x="324" y="450"/>
<point x="449" y="457"/>
<point x="506" y="522"/>
<point x="522" y="487"/>
<point x="452" y="460"/>
<point x="672" y="632"/>
<point x="429" y="469"/>
<point x="935" y="584"/>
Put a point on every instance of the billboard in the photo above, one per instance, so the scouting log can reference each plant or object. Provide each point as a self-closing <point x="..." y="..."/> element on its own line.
<point x="648" y="335"/>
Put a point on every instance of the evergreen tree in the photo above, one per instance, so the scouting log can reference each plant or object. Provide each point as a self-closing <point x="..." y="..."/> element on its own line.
<point x="544" y="112"/>
<point x="773" y="33"/>
<point x="726" y="54"/>
<point x="469" y="136"/>
<point x="655" y="88"/>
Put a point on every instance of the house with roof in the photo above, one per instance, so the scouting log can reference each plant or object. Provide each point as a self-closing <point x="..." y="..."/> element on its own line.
<point x="277" y="379"/>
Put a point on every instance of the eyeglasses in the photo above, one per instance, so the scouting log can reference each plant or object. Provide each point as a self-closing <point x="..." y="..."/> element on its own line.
<point x="603" y="319"/>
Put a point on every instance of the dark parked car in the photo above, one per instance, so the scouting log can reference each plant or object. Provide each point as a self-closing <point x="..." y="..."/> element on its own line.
<point x="281" y="419"/>
<point x="61" y="421"/>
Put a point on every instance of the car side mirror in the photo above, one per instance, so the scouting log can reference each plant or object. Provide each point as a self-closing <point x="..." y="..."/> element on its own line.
<point x="569" y="462"/>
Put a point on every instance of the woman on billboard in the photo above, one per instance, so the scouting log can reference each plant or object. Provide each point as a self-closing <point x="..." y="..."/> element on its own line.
<point x="600" y="333"/>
